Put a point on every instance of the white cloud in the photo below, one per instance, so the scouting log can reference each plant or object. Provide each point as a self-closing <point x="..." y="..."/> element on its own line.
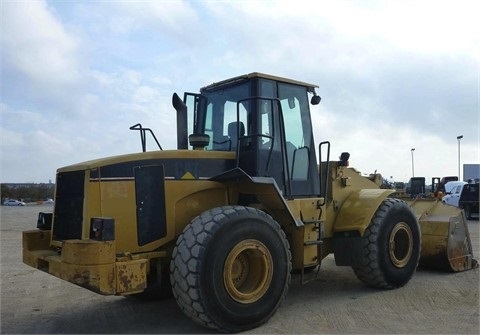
<point x="173" y="20"/>
<point x="36" y="44"/>
<point x="392" y="75"/>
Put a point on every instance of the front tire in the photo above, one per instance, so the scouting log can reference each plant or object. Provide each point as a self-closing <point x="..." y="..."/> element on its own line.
<point x="391" y="246"/>
<point x="230" y="269"/>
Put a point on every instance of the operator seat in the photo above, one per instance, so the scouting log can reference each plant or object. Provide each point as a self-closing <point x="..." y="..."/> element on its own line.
<point x="234" y="133"/>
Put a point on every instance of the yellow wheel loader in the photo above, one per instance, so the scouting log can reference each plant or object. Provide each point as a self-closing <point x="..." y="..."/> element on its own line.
<point x="224" y="220"/>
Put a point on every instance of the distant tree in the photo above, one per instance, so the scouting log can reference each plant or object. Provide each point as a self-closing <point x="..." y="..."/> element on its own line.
<point x="7" y="192"/>
<point x="35" y="192"/>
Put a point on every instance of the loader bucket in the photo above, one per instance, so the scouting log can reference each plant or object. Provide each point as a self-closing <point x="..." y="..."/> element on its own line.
<point x="446" y="241"/>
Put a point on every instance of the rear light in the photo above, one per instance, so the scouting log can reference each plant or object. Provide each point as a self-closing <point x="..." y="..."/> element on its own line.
<point x="102" y="229"/>
<point x="44" y="221"/>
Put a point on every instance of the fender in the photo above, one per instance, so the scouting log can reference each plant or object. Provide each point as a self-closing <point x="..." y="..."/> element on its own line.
<point x="265" y="189"/>
<point x="358" y="209"/>
<point x="353" y="218"/>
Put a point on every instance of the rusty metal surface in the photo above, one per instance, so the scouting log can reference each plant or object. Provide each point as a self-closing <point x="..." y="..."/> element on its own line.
<point x="131" y="276"/>
<point x="446" y="243"/>
<point x="86" y="263"/>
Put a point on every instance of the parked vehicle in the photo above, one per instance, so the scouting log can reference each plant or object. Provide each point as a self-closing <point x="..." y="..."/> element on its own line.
<point x="13" y="202"/>
<point x="416" y="187"/>
<point x="438" y="185"/>
<point x="452" y="186"/>
<point x="463" y="195"/>
<point x="469" y="200"/>
<point x="453" y="190"/>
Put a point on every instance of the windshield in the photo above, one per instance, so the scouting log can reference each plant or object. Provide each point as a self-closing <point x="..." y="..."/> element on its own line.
<point x="223" y="110"/>
<point x="219" y="112"/>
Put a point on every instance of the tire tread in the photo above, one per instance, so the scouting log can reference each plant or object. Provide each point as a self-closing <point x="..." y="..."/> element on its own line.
<point x="370" y="272"/>
<point x="191" y="247"/>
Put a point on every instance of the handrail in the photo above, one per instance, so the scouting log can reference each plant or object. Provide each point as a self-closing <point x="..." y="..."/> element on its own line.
<point x="143" y="138"/>
<point x="325" y="181"/>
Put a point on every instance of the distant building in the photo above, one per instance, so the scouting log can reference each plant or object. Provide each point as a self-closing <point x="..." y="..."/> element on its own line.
<point x="471" y="172"/>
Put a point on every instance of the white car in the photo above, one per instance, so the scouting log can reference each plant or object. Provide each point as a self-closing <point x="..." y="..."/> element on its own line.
<point x="453" y="189"/>
<point x="452" y="185"/>
<point x="12" y="202"/>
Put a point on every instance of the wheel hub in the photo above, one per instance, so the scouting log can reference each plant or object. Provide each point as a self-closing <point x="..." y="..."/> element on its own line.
<point x="248" y="271"/>
<point x="400" y="244"/>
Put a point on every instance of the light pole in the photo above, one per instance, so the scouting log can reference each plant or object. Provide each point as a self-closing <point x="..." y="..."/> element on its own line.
<point x="459" y="138"/>
<point x="413" y="168"/>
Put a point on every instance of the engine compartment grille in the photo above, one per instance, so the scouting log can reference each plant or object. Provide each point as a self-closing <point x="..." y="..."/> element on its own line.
<point x="68" y="212"/>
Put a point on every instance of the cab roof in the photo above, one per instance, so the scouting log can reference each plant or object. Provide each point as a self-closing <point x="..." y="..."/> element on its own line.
<point x="310" y="87"/>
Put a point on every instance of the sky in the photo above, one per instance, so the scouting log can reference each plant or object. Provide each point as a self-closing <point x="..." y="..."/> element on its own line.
<point x="393" y="75"/>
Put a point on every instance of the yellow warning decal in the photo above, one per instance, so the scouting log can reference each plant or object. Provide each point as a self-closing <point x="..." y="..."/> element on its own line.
<point x="187" y="175"/>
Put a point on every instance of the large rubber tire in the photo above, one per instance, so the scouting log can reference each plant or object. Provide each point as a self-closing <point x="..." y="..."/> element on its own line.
<point x="391" y="246"/>
<point x="468" y="212"/>
<point x="230" y="268"/>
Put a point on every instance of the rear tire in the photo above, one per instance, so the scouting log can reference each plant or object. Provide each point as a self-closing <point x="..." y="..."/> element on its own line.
<point x="390" y="246"/>
<point x="230" y="268"/>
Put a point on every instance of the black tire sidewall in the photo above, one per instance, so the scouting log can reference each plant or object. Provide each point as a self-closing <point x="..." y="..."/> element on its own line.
<point x="232" y="231"/>
<point x="394" y="276"/>
<point x="468" y="212"/>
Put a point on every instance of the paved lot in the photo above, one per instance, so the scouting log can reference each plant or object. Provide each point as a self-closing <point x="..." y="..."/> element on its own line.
<point x="336" y="303"/>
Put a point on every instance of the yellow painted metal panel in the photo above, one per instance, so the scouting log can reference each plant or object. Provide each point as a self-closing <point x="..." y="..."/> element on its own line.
<point x="358" y="209"/>
<point x="185" y="199"/>
<point x="117" y="200"/>
<point x="97" y="278"/>
<point x="36" y="244"/>
<point x="131" y="276"/>
<point x="87" y="263"/>
<point x="163" y="154"/>
<point x="445" y="237"/>
<point x="88" y="252"/>
<point x="36" y="239"/>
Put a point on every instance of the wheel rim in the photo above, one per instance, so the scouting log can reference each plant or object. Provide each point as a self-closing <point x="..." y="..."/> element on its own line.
<point x="400" y="244"/>
<point x="248" y="271"/>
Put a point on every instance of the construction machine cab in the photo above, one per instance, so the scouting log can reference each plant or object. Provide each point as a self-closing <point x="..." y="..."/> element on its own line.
<point x="264" y="119"/>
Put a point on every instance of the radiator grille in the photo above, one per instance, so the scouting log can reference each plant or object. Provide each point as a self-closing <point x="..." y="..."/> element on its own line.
<point x="68" y="212"/>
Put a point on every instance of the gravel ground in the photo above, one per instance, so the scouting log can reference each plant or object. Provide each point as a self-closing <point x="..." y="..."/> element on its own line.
<point x="33" y="302"/>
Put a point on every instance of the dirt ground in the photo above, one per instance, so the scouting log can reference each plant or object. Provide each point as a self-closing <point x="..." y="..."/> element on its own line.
<point x="33" y="302"/>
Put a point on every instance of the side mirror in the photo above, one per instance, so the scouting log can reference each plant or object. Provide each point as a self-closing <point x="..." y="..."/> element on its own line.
<point x="315" y="100"/>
